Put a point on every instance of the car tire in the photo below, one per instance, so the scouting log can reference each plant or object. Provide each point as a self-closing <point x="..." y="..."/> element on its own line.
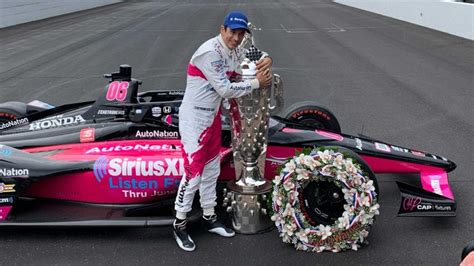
<point x="312" y="116"/>
<point x="10" y="111"/>
<point x="335" y="210"/>
<point x="305" y="203"/>
<point x="467" y="249"/>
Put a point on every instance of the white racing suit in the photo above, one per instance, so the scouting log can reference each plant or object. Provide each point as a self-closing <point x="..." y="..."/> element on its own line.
<point x="208" y="82"/>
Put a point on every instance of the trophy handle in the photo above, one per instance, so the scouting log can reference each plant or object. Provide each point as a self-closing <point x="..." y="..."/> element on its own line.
<point x="277" y="95"/>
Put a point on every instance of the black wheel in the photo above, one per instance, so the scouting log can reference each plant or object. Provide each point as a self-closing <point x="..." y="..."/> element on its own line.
<point x="467" y="249"/>
<point x="10" y="111"/>
<point x="325" y="198"/>
<point x="8" y="115"/>
<point x="313" y="116"/>
<point x="323" y="201"/>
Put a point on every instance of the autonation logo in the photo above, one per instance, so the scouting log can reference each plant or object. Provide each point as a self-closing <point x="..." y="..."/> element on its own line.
<point x="160" y="134"/>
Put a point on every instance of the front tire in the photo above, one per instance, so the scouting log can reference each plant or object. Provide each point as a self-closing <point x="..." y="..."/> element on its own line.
<point x="325" y="199"/>
<point x="312" y="116"/>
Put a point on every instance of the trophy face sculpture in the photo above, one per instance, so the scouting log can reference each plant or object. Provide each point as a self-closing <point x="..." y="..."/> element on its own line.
<point x="250" y="116"/>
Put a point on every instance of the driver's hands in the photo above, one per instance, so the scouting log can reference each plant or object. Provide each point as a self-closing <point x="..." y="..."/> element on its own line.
<point x="264" y="78"/>
<point x="264" y="75"/>
<point x="264" y="63"/>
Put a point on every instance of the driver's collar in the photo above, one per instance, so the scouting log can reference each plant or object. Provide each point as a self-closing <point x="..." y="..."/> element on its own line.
<point x="221" y="41"/>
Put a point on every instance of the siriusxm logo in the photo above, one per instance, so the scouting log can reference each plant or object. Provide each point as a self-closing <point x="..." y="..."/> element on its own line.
<point x="125" y="167"/>
<point x="5" y="151"/>
<point x="100" y="168"/>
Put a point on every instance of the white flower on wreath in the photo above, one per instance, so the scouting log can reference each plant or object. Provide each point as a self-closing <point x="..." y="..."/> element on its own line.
<point x="302" y="235"/>
<point x="285" y="238"/>
<point x="363" y="234"/>
<point x="288" y="184"/>
<point x="319" y="249"/>
<point x="289" y="229"/>
<point x="364" y="217"/>
<point x="349" y="209"/>
<point x="277" y="180"/>
<point x="343" y="222"/>
<point x="336" y="249"/>
<point x="290" y="166"/>
<point x="357" y="180"/>
<point x="349" y="193"/>
<point x="300" y="246"/>
<point x="338" y="162"/>
<point x="354" y="246"/>
<point x="289" y="211"/>
<point x="311" y="162"/>
<point x="324" y="231"/>
<point x="300" y="159"/>
<point x="277" y="219"/>
<point x="350" y="167"/>
<point x="368" y="186"/>
<point x="327" y="170"/>
<point x="375" y="209"/>
<point x="324" y="156"/>
<point x="292" y="196"/>
<point x="341" y="175"/>
<point x="364" y="200"/>
<point x="279" y="198"/>
<point x="302" y="174"/>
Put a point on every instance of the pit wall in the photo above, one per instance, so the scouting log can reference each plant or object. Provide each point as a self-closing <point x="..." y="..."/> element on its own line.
<point x="453" y="17"/>
<point x="14" y="12"/>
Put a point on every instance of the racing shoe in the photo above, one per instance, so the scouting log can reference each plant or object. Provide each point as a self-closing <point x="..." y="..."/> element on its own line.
<point x="216" y="227"/>
<point x="181" y="235"/>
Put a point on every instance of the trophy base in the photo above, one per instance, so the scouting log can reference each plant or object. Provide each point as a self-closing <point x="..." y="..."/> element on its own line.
<point x="248" y="210"/>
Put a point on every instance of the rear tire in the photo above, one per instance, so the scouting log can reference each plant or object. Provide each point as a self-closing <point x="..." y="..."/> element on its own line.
<point x="10" y="111"/>
<point x="8" y="115"/>
<point x="312" y="116"/>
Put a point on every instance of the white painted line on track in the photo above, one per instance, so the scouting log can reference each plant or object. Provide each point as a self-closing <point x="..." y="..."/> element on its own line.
<point x="283" y="27"/>
<point x="338" y="28"/>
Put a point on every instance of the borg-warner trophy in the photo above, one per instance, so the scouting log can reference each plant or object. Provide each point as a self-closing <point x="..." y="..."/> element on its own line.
<point x="247" y="195"/>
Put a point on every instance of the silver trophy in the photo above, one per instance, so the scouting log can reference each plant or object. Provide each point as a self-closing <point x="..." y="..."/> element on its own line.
<point x="247" y="195"/>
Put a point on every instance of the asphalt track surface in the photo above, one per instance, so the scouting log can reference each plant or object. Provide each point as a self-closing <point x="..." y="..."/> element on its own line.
<point x="388" y="79"/>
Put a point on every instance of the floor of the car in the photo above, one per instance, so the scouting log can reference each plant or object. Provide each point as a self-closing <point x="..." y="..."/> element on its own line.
<point x="34" y="210"/>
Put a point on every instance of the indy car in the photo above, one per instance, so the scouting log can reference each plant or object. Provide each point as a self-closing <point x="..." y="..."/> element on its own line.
<point x="117" y="161"/>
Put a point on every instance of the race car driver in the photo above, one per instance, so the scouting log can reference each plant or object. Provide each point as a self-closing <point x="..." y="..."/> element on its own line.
<point x="210" y="71"/>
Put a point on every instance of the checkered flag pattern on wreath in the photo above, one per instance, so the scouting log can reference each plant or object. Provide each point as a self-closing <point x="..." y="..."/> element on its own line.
<point x="253" y="54"/>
